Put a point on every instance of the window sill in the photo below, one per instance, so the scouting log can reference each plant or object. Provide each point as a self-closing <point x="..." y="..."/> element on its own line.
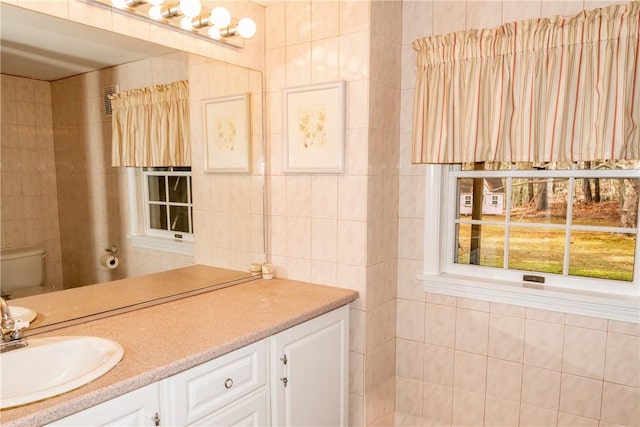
<point x="163" y="245"/>
<point x="612" y="307"/>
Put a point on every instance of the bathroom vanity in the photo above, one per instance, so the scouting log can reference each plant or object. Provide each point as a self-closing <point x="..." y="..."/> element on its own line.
<point x="299" y="376"/>
<point x="265" y="352"/>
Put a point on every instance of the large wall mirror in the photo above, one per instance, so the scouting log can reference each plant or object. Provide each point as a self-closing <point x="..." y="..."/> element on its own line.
<point x="59" y="190"/>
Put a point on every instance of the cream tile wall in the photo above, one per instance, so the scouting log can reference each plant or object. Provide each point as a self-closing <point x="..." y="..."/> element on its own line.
<point x="28" y="175"/>
<point x="341" y="230"/>
<point x="228" y="208"/>
<point x="467" y="362"/>
<point x="513" y="366"/>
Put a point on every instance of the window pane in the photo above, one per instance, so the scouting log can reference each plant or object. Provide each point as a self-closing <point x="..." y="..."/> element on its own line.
<point x="157" y="191"/>
<point x="539" y="200"/>
<point x="602" y="255"/>
<point x="179" y="218"/>
<point x="598" y="202"/>
<point x="158" y="217"/>
<point x="492" y="191"/>
<point x="487" y="248"/>
<point x="536" y="249"/>
<point x="178" y="190"/>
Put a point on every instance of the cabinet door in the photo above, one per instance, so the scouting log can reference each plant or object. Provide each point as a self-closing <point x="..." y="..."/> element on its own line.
<point x="310" y="372"/>
<point x="136" y="408"/>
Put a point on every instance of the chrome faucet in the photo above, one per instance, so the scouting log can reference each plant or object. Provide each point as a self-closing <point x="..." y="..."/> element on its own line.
<point x="12" y="336"/>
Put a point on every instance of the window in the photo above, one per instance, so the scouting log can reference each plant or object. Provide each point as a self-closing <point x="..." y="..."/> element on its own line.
<point x="570" y="230"/>
<point x="161" y="209"/>
<point x="168" y="202"/>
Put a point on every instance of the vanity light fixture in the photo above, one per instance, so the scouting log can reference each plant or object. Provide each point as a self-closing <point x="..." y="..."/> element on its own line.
<point x="188" y="15"/>
<point x="244" y="28"/>
<point x="218" y="18"/>
<point x="160" y="12"/>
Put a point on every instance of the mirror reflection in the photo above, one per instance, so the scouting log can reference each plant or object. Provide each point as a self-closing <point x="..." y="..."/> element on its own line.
<point x="70" y="219"/>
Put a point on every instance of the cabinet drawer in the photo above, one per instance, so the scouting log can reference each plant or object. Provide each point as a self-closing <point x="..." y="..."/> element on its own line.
<point x="208" y="387"/>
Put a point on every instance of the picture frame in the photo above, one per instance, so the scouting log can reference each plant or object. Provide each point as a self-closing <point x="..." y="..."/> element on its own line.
<point x="227" y="134"/>
<point x="314" y="128"/>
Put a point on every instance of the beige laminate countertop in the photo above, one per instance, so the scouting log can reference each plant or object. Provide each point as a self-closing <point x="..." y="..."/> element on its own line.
<point x="83" y="301"/>
<point x="165" y="339"/>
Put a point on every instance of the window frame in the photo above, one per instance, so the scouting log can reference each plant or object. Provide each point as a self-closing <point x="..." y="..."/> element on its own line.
<point x="561" y="294"/>
<point x="137" y="227"/>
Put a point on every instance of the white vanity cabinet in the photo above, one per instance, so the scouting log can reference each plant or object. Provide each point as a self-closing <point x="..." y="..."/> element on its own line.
<point x="294" y="378"/>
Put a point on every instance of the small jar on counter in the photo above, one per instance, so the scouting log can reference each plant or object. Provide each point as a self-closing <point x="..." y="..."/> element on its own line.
<point x="267" y="271"/>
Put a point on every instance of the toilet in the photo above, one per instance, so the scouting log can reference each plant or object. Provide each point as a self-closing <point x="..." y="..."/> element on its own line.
<point x="22" y="272"/>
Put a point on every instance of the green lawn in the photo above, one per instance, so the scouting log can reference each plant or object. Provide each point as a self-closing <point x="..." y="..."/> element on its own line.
<point x="601" y="255"/>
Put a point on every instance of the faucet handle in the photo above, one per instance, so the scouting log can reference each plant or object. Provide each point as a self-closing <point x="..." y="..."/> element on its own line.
<point x="18" y="325"/>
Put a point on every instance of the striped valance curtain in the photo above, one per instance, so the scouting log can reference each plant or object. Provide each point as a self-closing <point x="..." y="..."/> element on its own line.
<point x="552" y="89"/>
<point x="150" y="126"/>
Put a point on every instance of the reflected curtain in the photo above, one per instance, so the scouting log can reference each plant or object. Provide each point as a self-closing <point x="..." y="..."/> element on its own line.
<point x="552" y="89"/>
<point x="150" y="126"/>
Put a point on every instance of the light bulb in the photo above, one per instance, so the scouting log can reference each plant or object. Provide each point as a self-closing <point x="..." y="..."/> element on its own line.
<point x="155" y="2"/>
<point x="220" y="17"/>
<point x="246" y="28"/>
<point x="186" y="23"/>
<point x="214" y="32"/>
<point x="156" y="13"/>
<point x="190" y="8"/>
<point x="120" y="4"/>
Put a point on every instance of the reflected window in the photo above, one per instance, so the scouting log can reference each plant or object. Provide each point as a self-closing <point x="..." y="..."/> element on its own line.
<point x="168" y="202"/>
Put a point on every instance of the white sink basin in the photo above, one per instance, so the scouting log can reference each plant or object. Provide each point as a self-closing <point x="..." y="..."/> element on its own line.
<point x="22" y="313"/>
<point x="50" y="366"/>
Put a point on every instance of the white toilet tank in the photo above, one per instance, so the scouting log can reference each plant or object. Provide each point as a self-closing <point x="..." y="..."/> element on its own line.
<point x="22" y="268"/>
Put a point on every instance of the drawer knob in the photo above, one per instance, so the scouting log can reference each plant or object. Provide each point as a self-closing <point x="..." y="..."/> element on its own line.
<point x="228" y="383"/>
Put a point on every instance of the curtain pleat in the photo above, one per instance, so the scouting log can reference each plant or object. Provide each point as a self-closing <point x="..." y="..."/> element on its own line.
<point x="552" y="89"/>
<point x="150" y="126"/>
